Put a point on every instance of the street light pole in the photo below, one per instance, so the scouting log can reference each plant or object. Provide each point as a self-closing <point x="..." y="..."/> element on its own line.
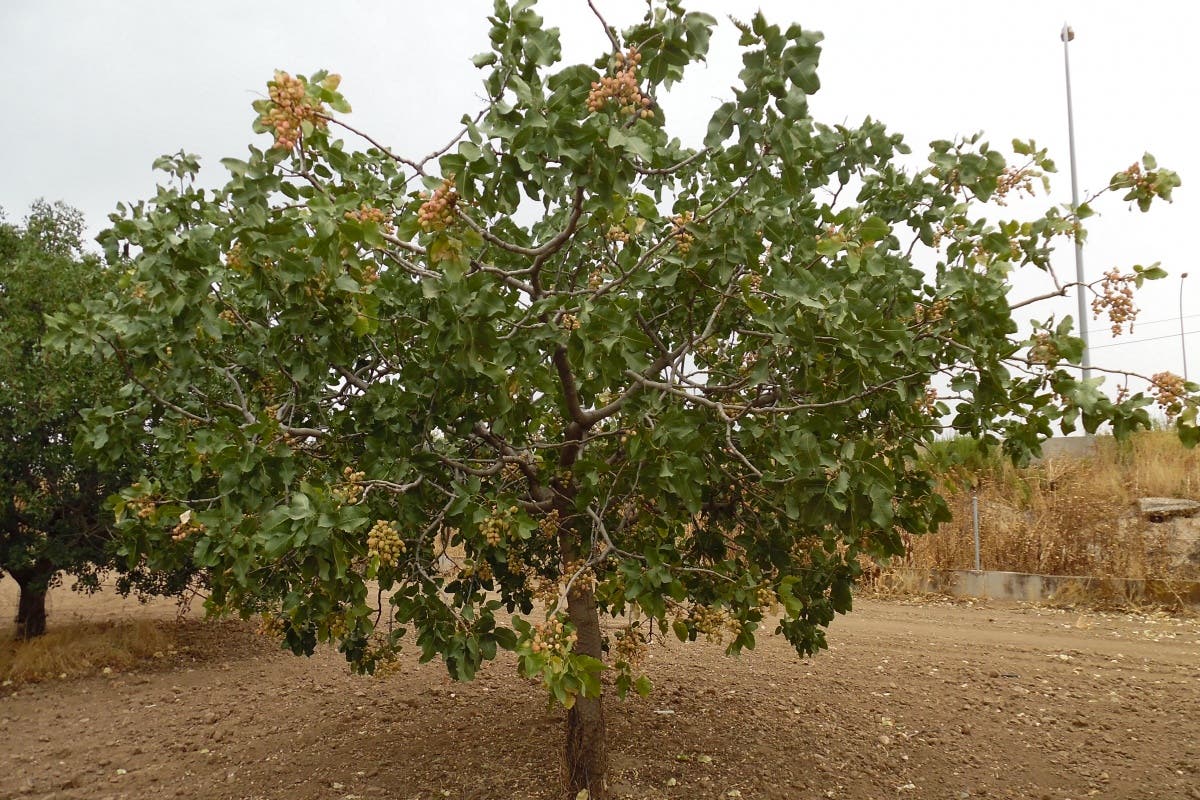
<point x="1182" y="339"/>
<point x="1067" y="36"/>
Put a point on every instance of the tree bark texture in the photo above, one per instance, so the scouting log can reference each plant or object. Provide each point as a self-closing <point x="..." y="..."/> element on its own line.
<point x="31" y="607"/>
<point x="587" y="752"/>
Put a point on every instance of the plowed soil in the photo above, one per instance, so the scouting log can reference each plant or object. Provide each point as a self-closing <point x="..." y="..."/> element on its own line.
<point x="914" y="699"/>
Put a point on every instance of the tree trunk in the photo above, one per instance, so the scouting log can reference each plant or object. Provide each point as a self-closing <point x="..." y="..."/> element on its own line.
<point x="587" y="752"/>
<point x="31" y="607"/>
<point x="586" y="756"/>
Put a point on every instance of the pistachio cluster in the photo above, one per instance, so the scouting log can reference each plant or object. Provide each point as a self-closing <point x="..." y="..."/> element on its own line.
<point x="143" y="507"/>
<point x="712" y="622"/>
<point x="367" y="213"/>
<point x="1013" y="179"/>
<point x="683" y="237"/>
<point x="928" y="402"/>
<point x="617" y="234"/>
<point x="620" y="89"/>
<point x="289" y="109"/>
<point x="383" y="653"/>
<point x="629" y="647"/>
<point x="582" y="575"/>
<point x="552" y="637"/>
<point x="315" y="289"/>
<point x="943" y="230"/>
<point x="186" y="527"/>
<point x="437" y="213"/>
<point x="383" y="540"/>
<point x="933" y="312"/>
<point x="570" y="322"/>
<point x="1116" y="297"/>
<point x="1168" y="389"/>
<point x="351" y="490"/>
<point x="549" y="524"/>
<point x="542" y="590"/>
<point x="1139" y="180"/>
<point x="515" y="564"/>
<point x="1043" y="350"/>
<point x="270" y="625"/>
<point x="765" y="596"/>
<point x="479" y="571"/>
<point x="235" y="258"/>
<point x="498" y="525"/>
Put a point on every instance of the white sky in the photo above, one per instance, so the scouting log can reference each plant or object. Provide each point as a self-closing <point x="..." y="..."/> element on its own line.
<point x="98" y="88"/>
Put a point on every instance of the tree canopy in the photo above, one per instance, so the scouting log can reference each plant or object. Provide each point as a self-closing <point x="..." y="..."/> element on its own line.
<point x="53" y="517"/>
<point x="567" y="367"/>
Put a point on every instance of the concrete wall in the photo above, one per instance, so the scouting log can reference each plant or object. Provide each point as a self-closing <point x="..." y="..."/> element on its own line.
<point x="1021" y="586"/>
<point x="1068" y="447"/>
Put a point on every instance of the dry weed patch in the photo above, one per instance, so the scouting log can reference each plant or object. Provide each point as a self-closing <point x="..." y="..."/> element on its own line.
<point x="83" y="648"/>
<point x="1064" y="516"/>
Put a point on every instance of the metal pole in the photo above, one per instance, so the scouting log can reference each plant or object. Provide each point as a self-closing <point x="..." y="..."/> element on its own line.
<point x="1182" y="339"/>
<point x="1067" y="36"/>
<point x="975" y="513"/>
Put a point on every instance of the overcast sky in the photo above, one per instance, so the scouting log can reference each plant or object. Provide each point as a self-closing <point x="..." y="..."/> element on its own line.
<point x="98" y="88"/>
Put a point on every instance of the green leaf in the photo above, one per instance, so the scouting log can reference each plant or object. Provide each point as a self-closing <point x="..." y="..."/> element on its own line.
<point x="720" y="127"/>
<point x="469" y="150"/>
<point x="300" y="507"/>
<point x="619" y="140"/>
<point x="1151" y="273"/>
<point x="873" y="229"/>
<point x="236" y="166"/>
<point x="839" y="596"/>
<point x="830" y="247"/>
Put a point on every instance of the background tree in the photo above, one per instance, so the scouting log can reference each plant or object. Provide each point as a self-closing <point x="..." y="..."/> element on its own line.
<point x="569" y="368"/>
<point x="52" y="514"/>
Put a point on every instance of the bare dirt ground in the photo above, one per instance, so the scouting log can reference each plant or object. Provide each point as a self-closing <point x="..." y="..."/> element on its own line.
<point x="915" y="699"/>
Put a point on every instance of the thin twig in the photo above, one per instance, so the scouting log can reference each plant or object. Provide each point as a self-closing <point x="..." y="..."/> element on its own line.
<point x="608" y="30"/>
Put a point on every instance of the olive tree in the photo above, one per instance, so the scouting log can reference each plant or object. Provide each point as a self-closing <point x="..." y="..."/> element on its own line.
<point x="567" y="370"/>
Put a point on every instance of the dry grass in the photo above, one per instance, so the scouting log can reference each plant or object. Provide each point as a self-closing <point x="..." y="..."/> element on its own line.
<point x="1065" y="516"/>
<point x="84" y="648"/>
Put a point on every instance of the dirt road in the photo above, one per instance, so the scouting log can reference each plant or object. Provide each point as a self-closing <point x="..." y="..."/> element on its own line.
<point x="913" y="700"/>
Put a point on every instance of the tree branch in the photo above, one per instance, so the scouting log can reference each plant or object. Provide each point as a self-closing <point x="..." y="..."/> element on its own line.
<point x="153" y="394"/>
<point x="566" y="379"/>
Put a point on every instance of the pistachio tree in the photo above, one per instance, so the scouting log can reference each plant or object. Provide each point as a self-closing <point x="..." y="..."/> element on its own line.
<point x="567" y="370"/>
<point x="53" y="518"/>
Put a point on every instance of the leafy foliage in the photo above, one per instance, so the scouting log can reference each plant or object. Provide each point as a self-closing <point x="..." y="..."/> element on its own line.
<point x="52" y="514"/>
<point x="570" y="361"/>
